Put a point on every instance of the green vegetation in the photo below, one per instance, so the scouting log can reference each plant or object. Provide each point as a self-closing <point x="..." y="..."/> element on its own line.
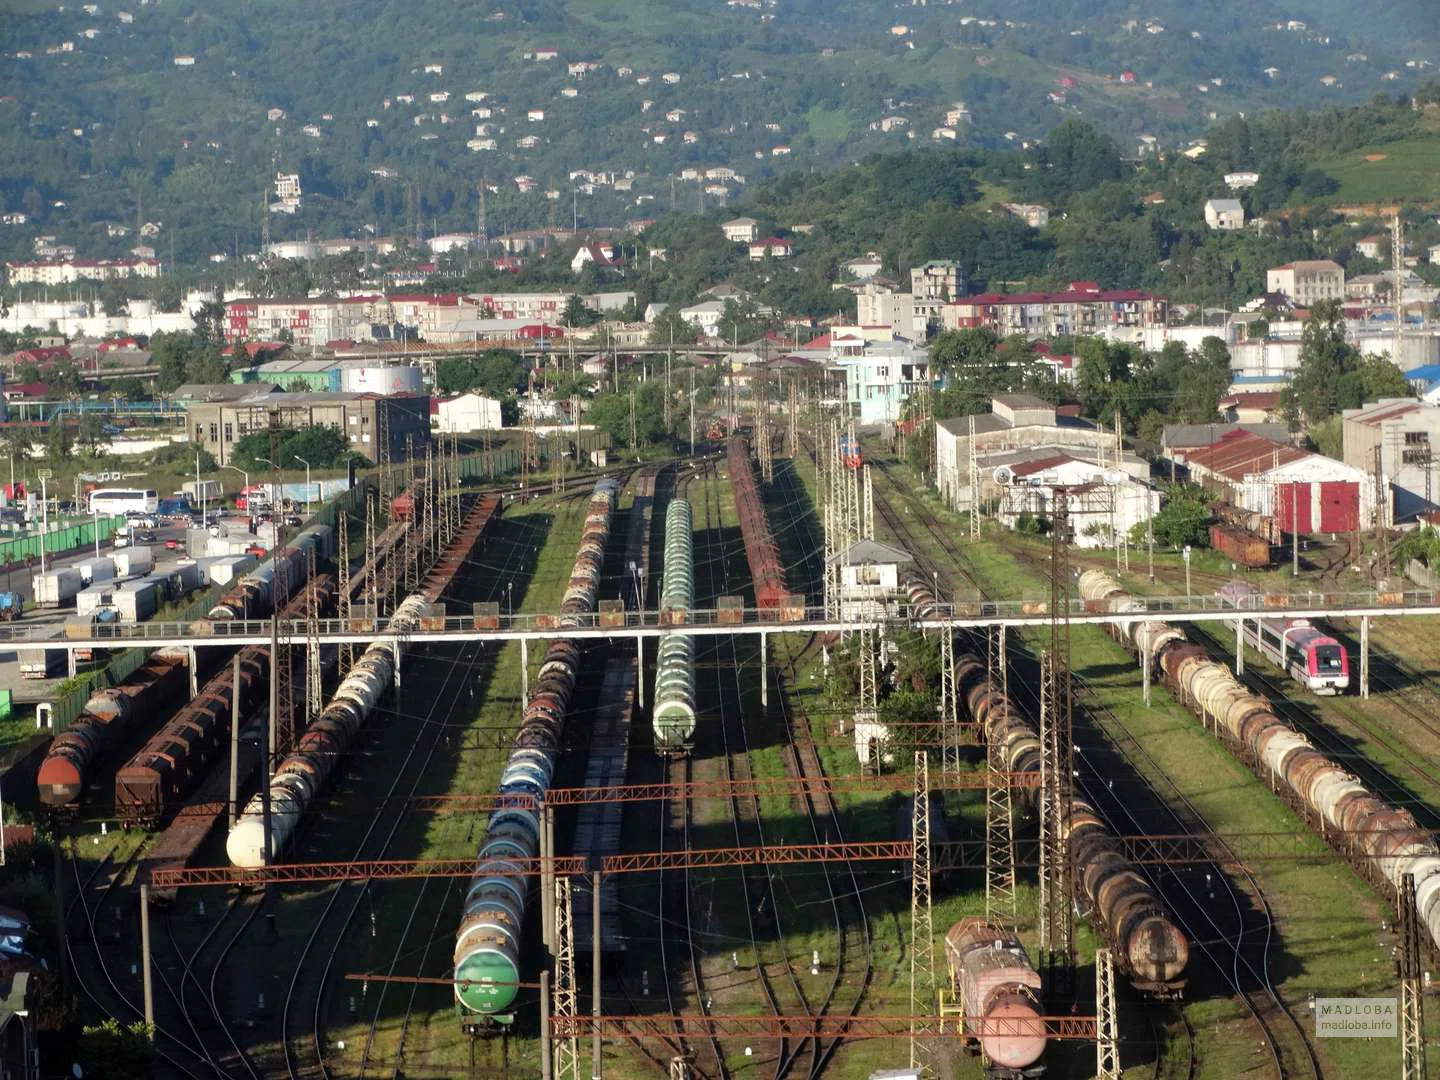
<point x="321" y="446"/>
<point x="1333" y="375"/>
<point x="1407" y="169"/>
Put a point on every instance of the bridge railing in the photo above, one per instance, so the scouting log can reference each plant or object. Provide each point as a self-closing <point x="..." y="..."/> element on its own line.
<point x="549" y="624"/>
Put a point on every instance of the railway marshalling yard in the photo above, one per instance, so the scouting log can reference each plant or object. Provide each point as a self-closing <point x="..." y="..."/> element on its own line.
<point x="246" y="987"/>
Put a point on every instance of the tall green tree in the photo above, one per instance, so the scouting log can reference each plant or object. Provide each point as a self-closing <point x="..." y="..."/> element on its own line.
<point x="1325" y="357"/>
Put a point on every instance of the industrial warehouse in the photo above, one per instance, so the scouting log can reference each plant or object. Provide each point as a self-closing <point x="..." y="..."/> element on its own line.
<point x="559" y="767"/>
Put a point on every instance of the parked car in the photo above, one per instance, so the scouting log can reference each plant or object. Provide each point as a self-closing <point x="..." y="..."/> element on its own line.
<point x="173" y="545"/>
<point x="145" y="536"/>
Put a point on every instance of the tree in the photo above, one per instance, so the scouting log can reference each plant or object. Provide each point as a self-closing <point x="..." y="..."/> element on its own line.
<point x="90" y="434"/>
<point x="170" y="353"/>
<point x="112" y="1051"/>
<point x="1182" y="520"/>
<point x="1202" y="384"/>
<point x="210" y="322"/>
<point x="114" y="299"/>
<point x="577" y="314"/>
<point x="206" y="365"/>
<point x="670" y="328"/>
<point x="18" y="440"/>
<point x="58" y="441"/>
<point x="1325" y="357"/>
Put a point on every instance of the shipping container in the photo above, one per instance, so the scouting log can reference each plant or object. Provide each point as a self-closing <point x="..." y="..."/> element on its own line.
<point x="220" y="569"/>
<point x="42" y="663"/>
<point x="134" y="562"/>
<point x="200" y="491"/>
<point x="138" y="600"/>
<point x="96" y="570"/>
<point x="191" y="575"/>
<point x="56" y="587"/>
<point x="95" y="599"/>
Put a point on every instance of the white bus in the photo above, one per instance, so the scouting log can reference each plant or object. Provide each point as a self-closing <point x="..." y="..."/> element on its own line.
<point x="124" y="500"/>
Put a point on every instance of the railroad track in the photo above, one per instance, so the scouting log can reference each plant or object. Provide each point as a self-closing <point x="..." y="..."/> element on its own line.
<point x="735" y="762"/>
<point x="1290" y="1052"/>
<point x="86" y="949"/>
<point x="440" y="923"/>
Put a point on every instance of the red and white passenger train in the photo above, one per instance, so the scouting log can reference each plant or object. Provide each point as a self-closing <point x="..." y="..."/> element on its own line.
<point x="1308" y="655"/>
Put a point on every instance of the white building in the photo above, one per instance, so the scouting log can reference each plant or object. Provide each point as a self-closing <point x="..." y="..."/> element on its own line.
<point x="1404" y="431"/>
<point x="741" y="230"/>
<point x="466" y="413"/>
<point x="1307" y="281"/>
<point x="1224" y="214"/>
<point x="1102" y="503"/>
<point x="869" y="578"/>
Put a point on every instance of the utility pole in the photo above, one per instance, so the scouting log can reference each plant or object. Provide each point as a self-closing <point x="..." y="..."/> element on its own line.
<point x="567" y="1050"/>
<point x="595" y="1012"/>
<point x="1412" y="1002"/>
<point x="634" y="441"/>
<point x="692" y="411"/>
<point x="974" y="485"/>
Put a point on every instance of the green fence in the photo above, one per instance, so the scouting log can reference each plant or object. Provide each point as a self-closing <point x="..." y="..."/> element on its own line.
<point x="58" y="540"/>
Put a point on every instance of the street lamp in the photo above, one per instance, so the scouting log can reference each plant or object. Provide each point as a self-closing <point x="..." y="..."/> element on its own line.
<point x="242" y="472"/>
<point x="274" y="495"/>
<point x="302" y="461"/>
<point x="1186" y="555"/>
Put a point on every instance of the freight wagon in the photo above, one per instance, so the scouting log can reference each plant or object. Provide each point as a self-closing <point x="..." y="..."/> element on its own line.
<point x="992" y="979"/>
<point x="1243" y="546"/>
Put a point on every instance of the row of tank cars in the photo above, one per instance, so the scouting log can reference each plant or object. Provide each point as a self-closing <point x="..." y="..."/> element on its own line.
<point x="182" y="748"/>
<point x="673" y="716"/>
<point x="1384" y="842"/>
<point x="487" y="946"/>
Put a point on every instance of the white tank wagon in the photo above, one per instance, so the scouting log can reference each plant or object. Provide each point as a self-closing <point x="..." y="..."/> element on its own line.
<point x="1384" y="842"/>
<point x="673" y="718"/>
<point x="304" y="772"/>
<point x="487" y="945"/>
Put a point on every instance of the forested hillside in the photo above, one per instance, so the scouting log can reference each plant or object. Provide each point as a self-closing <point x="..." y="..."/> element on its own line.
<point x="179" y="113"/>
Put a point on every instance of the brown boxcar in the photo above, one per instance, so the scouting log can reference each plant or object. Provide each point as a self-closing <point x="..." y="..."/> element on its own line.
<point x="1242" y="545"/>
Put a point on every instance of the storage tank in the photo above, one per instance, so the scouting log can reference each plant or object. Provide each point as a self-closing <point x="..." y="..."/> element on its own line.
<point x="381" y="379"/>
<point x="56" y="587"/>
<point x="134" y="561"/>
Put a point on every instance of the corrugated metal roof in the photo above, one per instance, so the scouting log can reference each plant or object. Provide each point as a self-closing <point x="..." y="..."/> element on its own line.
<point x="1240" y="454"/>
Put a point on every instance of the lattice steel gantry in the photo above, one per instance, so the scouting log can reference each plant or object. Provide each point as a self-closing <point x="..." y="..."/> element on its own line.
<point x="949" y="706"/>
<point x="1107" y="1018"/>
<point x="1412" y="1007"/>
<point x="923" y="1011"/>
<point x="567" y="1049"/>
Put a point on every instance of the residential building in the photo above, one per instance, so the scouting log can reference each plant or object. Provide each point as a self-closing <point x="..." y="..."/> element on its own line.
<point x="1084" y="308"/>
<point x="1296" y="490"/>
<point x="1402" y="433"/>
<point x="604" y="256"/>
<point x="741" y="230"/>
<point x="770" y="248"/>
<point x="881" y="377"/>
<point x="1034" y="215"/>
<point x="364" y="418"/>
<point x="705" y="316"/>
<point x="1308" y="281"/>
<point x="865" y="266"/>
<point x="65" y="271"/>
<point x="932" y="285"/>
<point x="879" y="304"/>
<point x="1370" y="246"/>
<point x="1019" y="428"/>
<point x="1224" y="214"/>
<point x="1251" y="407"/>
<point x="287" y="193"/>
<point x="466" y="413"/>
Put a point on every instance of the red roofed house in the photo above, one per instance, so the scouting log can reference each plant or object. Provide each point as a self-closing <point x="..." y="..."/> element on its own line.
<point x="1301" y="491"/>
<point x="1251" y="407"/>
<point x="35" y="391"/>
<point x="605" y="256"/>
<point x="773" y="247"/>
<point x="41" y="356"/>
